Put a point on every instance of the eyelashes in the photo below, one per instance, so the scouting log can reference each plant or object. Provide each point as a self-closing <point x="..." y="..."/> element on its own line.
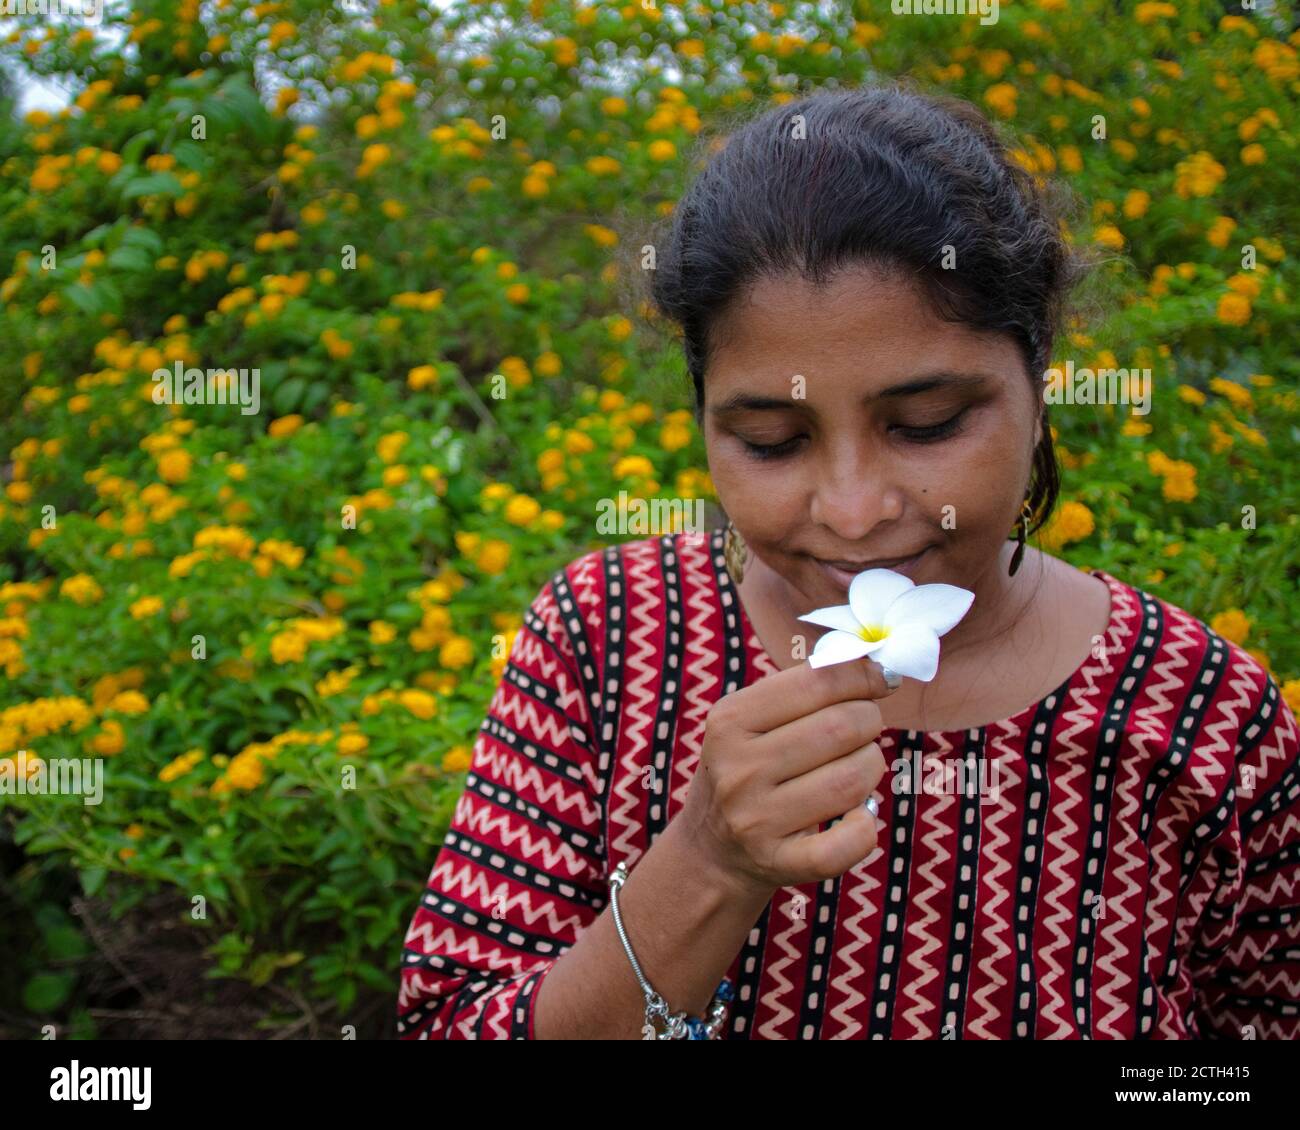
<point x="770" y="451"/>
<point x="930" y="433"/>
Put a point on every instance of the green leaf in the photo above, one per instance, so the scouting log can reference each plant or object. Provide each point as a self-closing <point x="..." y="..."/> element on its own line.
<point x="155" y="184"/>
<point x="130" y="259"/>
<point x="46" y="992"/>
<point x="288" y="396"/>
<point x="85" y="298"/>
<point x="132" y="149"/>
<point x="65" y="942"/>
<point x="144" y="238"/>
<point x="317" y="395"/>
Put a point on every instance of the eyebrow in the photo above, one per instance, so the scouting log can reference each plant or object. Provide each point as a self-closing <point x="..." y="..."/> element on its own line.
<point x="750" y="402"/>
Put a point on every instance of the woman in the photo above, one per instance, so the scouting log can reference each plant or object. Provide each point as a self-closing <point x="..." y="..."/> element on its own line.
<point x="868" y="292"/>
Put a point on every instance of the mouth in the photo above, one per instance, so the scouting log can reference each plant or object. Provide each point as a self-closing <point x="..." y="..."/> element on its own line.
<point x="841" y="573"/>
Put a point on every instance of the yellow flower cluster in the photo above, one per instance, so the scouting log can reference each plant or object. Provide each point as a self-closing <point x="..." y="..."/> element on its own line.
<point x="1277" y="60"/>
<point x="422" y="376"/>
<point x="36" y="719"/>
<point x="1231" y="625"/>
<point x="128" y="702"/>
<point x="108" y="687"/>
<point x="181" y="765"/>
<point x="336" y="682"/>
<point x="274" y="241"/>
<point x="1179" y="476"/>
<point x="273" y="552"/>
<point x="423" y="301"/>
<point x="82" y="588"/>
<point x="1198" y="175"/>
<point x="1001" y="98"/>
<point x="1072" y="521"/>
<point x="335" y="345"/>
<point x="499" y="662"/>
<point x="1237" y="395"/>
<point x="1150" y="11"/>
<point x="290" y="644"/>
<point x="435" y="630"/>
<point x="110" y="740"/>
<point x="247" y="769"/>
<point x="145" y="607"/>
<point x="353" y="743"/>
<point x="365" y="64"/>
<point x="457" y="759"/>
<point x="232" y="541"/>
<point x="418" y="702"/>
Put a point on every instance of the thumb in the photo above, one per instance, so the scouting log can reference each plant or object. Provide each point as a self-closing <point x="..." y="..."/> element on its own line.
<point x="882" y="682"/>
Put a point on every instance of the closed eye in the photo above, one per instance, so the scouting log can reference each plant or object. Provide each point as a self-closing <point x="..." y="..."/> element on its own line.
<point x="771" y="450"/>
<point x="930" y="433"/>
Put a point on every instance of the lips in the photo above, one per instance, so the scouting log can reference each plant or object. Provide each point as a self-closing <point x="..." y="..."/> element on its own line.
<point x="841" y="573"/>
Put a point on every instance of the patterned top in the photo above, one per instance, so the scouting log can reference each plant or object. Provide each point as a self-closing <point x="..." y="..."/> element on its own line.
<point x="1120" y="860"/>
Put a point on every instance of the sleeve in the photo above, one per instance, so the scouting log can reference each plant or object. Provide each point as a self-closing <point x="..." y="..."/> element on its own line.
<point x="1247" y="960"/>
<point x="521" y="871"/>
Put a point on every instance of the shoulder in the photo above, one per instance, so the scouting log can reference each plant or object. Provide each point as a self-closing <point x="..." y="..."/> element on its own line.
<point x="1214" y="693"/>
<point x="592" y="602"/>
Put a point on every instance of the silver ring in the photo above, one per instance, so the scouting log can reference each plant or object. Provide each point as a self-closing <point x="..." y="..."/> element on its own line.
<point x="893" y="680"/>
<point x="872" y="805"/>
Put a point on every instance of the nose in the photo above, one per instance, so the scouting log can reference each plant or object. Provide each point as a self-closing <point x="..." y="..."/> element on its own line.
<point x="853" y="493"/>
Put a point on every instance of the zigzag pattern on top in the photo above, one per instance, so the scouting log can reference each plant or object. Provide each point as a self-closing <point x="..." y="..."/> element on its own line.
<point x="1194" y="832"/>
<point x="642" y="670"/>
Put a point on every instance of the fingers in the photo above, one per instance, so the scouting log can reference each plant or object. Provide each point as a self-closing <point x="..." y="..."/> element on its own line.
<point x="821" y="738"/>
<point x="824" y="855"/>
<point x="830" y="790"/>
<point x="803" y="690"/>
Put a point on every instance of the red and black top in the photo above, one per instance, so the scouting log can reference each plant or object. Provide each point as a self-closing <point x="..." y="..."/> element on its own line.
<point x="1120" y="860"/>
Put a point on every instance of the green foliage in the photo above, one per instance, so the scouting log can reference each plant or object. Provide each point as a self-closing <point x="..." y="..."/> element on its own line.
<point x="317" y="598"/>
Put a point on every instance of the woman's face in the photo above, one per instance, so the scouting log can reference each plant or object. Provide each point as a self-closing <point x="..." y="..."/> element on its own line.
<point x="851" y="427"/>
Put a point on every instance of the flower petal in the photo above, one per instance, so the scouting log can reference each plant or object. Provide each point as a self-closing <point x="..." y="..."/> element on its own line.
<point x="937" y="607"/>
<point x="839" y="616"/>
<point x="911" y="650"/>
<point x="873" y="591"/>
<point x="839" y="647"/>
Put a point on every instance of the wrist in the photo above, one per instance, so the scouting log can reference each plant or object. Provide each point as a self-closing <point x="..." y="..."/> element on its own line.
<point x="704" y="863"/>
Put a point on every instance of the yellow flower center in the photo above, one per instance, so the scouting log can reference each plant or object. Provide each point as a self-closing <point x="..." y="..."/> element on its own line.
<point x="873" y="633"/>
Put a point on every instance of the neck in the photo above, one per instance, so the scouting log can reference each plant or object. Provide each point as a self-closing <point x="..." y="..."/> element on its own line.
<point x="1000" y="599"/>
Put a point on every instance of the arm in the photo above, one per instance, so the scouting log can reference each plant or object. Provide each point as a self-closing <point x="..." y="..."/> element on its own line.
<point x="1248" y="957"/>
<point x="518" y="877"/>
<point x="686" y="923"/>
<point x="518" y="897"/>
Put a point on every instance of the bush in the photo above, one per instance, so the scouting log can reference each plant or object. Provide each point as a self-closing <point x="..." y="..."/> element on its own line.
<point x="281" y="629"/>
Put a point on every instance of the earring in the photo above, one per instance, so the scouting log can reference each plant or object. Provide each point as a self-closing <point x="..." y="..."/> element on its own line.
<point x="735" y="553"/>
<point x="1022" y="532"/>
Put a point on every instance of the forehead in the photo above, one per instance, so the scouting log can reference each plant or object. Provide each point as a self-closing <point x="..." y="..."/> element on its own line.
<point x="864" y="326"/>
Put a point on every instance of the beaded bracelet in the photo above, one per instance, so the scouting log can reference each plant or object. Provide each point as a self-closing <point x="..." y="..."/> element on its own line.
<point x="676" y="1025"/>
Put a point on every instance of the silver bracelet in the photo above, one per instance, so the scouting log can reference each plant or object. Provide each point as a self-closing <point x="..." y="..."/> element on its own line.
<point x="677" y="1025"/>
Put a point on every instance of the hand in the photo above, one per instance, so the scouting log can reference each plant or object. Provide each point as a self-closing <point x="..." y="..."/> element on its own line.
<point x="781" y="757"/>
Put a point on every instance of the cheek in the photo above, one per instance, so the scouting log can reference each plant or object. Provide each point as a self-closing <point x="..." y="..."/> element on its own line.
<point x="971" y="485"/>
<point x="759" y="496"/>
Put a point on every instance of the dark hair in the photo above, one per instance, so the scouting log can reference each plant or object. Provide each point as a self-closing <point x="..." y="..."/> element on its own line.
<point x="883" y="176"/>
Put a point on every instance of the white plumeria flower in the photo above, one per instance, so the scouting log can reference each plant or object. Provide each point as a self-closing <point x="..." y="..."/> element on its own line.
<point x="891" y="619"/>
